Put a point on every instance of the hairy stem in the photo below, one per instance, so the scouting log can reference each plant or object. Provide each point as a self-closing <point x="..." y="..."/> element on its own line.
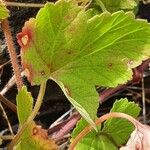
<point x="100" y="120"/>
<point x="31" y="117"/>
<point x="12" y="53"/>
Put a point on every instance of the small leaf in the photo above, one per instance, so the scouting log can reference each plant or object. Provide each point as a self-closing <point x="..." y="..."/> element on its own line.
<point x="24" y="105"/>
<point x="65" y="44"/>
<point x="114" y="133"/>
<point x="34" y="137"/>
<point x="4" y="13"/>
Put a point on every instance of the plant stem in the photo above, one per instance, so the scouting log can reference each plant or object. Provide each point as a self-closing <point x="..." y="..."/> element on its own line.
<point x="6" y="137"/>
<point x="8" y="103"/>
<point x="6" y="118"/>
<point x="31" y="117"/>
<point x="98" y="121"/>
<point x="12" y="53"/>
<point x="17" y="4"/>
<point x="102" y="6"/>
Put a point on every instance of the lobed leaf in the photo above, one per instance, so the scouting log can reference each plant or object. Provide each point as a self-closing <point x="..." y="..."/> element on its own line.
<point x="114" y="133"/>
<point x="78" y="51"/>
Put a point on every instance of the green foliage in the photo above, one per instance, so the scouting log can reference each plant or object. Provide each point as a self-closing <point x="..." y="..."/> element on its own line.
<point x="4" y="13"/>
<point x="24" y="109"/>
<point x="114" y="133"/>
<point x="24" y="105"/>
<point x="34" y="137"/>
<point x="65" y="44"/>
<point x="113" y="6"/>
<point x="120" y="129"/>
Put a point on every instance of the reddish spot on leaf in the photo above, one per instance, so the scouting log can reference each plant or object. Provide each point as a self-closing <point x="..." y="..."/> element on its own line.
<point x="24" y="37"/>
<point x="42" y="72"/>
<point x="69" y="52"/>
<point x="109" y="65"/>
<point x="69" y="17"/>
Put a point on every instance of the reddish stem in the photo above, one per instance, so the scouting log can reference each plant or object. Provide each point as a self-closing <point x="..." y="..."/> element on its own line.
<point x="12" y="53"/>
<point x="98" y="121"/>
<point x="67" y="127"/>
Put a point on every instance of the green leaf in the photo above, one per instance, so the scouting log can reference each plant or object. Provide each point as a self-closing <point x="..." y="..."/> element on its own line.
<point x="65" y="44"/>
<point x="113" y="6"/>
<point x="114" y="133"/>
<point x="93" y="141"/>
<point x="24" y="105"/>
<point x="34" y="137"/>
<point x="24" y="109"/>
<point x="120" y="129"/>
<point x="4" y="13"/>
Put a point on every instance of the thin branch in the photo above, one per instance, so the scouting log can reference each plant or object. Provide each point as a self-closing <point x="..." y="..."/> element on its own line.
<point x="143" y="101"/>
<point x="109" y="92"/>
<point x="6" y="63"/>
<point x="6" y="118"/>
<point x="6" y="137"/>
<point x="10" y="83"/>
<point x="17" y="4"/>
<point x="62" y="117"/>
<point x="67" y="127"/>
<point x="8" y="103"/>
<point x="31" y="117"/>
<point x="52" y="131"/>
<point x="12" y="53"/>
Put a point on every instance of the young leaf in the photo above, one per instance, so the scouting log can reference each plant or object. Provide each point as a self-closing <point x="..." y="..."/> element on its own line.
<point x="34" y="137"/>
<point x="4" y="13"/>
<point x="113" y="6"/>
<point x="24" y="105"/>
<point x="114" y="133"/>
<point x="24" y="109"/>
<point x="65" y="44"/>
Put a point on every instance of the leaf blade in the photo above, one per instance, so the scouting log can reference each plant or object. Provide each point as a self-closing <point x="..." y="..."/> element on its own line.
<point x="83" y="52"/>
<point x="24" y="105"/>
<point x="110" y="136"/>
